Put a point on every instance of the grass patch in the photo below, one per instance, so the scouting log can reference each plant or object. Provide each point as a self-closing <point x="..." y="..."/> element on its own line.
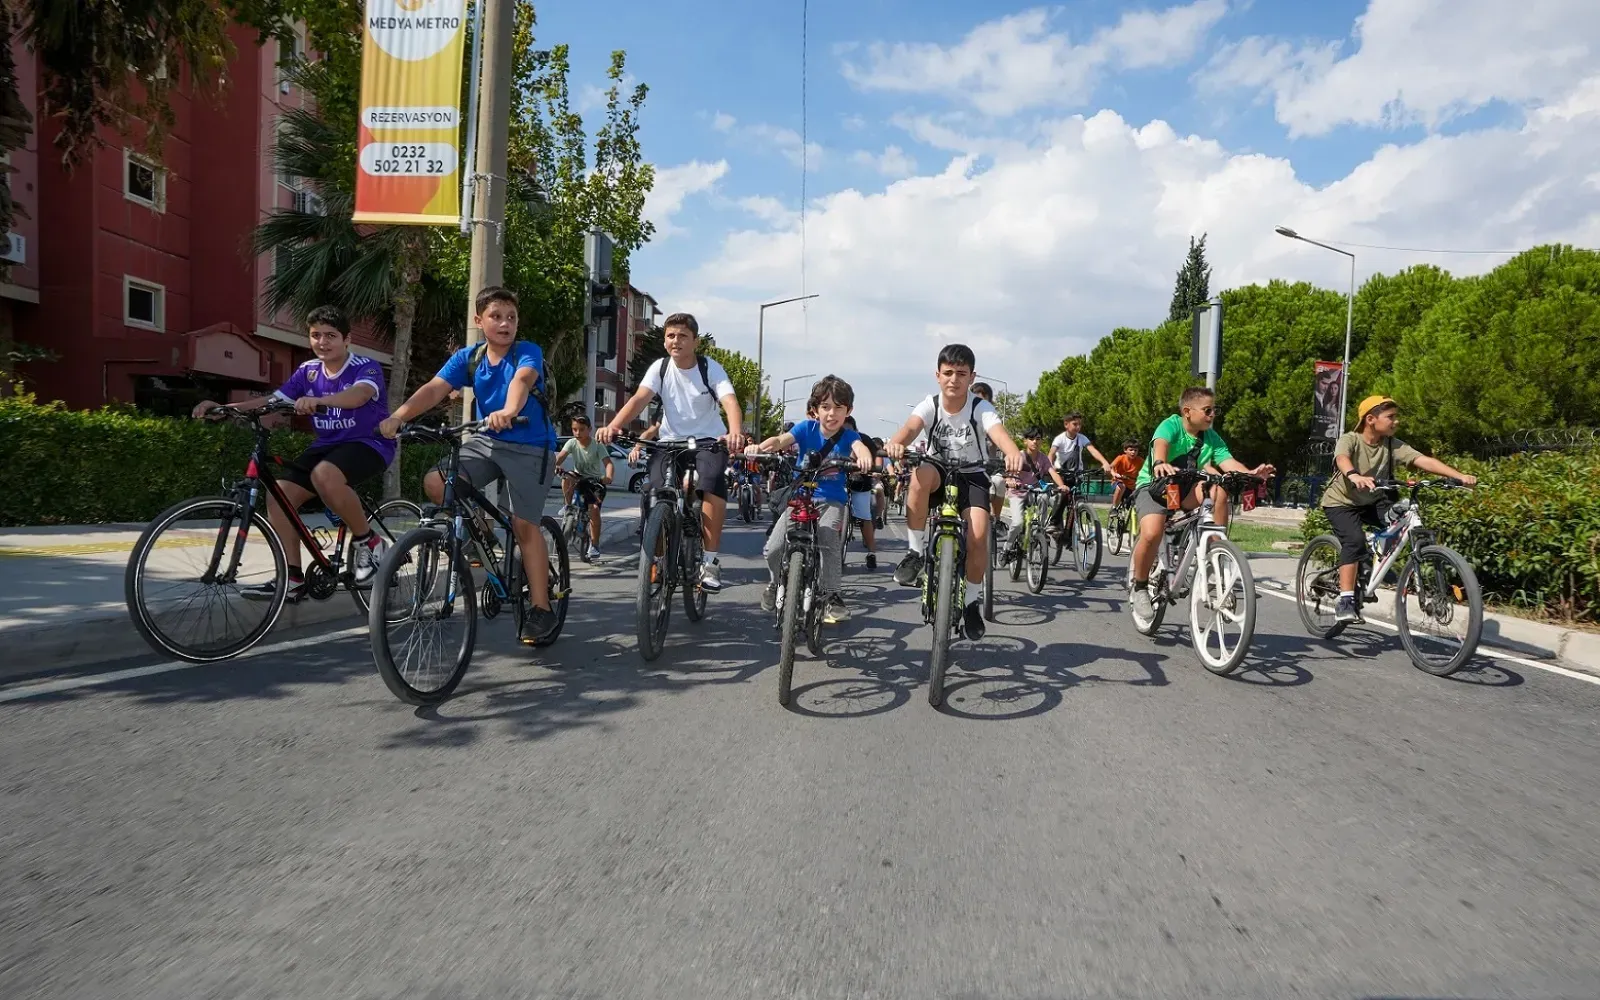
<point x="1259" y="537"/>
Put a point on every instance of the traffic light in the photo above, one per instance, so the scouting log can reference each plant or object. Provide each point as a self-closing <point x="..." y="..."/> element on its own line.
<point x="603" y="314"/>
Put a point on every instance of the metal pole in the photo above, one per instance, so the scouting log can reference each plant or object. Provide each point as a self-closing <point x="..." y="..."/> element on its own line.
<point x="1349" y="321"/>
<point x="470" y="163"/>
<point x="487" y="266"/>
<point x="761" y="372"/>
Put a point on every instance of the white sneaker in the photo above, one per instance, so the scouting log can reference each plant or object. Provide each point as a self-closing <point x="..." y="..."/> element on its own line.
<point x="594" y="552"/>
<point x="711" y="576"/>
<point x="1142" y="605"/>
<point x="367" y="558"/>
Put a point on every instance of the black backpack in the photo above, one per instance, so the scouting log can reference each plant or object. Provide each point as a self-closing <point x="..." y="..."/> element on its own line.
<point x="656" y="405"/>
<point x="542" y="390"/>
<point x="972" y="416"/>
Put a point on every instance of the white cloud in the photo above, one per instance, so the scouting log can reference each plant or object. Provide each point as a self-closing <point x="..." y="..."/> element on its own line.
<point x="1017" y="62"/>
<point x="1035" y="250"/>
<point x="769" y="210"/>
<point x="787" y="142"/>
<point x="723" y="122"/>
<point x="673" y="185"/>
<point x="1418" y="62"/>
<point x="853" y="123"/>
<point x="892" y="162"/>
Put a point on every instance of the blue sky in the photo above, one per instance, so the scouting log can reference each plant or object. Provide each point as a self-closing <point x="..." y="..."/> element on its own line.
<point x="1024" y="178"/>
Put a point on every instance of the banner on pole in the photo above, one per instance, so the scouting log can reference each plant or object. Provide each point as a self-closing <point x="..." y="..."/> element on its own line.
<point x="1325" y="417"/>
<point x="408" y="165"/>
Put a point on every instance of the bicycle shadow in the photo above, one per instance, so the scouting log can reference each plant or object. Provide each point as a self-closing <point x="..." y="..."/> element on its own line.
<point x="1036" y="677"/>
<point x="1366" y="641"/>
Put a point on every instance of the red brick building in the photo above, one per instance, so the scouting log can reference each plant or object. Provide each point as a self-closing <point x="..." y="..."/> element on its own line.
<point x="138" y="272"/>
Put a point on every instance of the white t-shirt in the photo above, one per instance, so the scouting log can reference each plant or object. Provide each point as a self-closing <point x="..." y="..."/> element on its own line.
<point x="687" y="410"/>
<point x="1069" y="451"/>
<point x="953" y="439"/>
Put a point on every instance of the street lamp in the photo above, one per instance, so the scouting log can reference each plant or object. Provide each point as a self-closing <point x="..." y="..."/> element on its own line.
<point x="1349" y="316"/>
<point x="783" y="393"/>
<point x="991" y="378"/>
<point x="761" y="328"/>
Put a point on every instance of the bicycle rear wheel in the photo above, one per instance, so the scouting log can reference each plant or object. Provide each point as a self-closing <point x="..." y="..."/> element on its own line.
<point x="416" y="656"/>
<point x="944" y="596"/>
<point x="694" y="595"/>
<point x="390" y="522"/>
<point x="171" y="586"/>
<point x="653" y="599"/>
<point x="1448" y="613"/>
<point x="1316" y="587"/>
<point x="560" y="577"/>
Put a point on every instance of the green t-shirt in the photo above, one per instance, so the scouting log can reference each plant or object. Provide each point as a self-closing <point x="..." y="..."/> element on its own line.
<point x="1369" y="460"/>
<point x="590" y="461"/>
<point x="1184" y="450"/>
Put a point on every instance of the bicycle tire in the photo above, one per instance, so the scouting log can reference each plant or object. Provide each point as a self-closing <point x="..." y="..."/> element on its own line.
<point x="379" y="523"/>
<point x="378" y="626"/>
<point x="1118" y="521"/>
<point x="516" y="583"/>
<point x="1302" y="584"/>
<point x="1474" y="602"/>
<point x="694" y="596"/>
<point x="559" y="579"/>
<point x="789" y="635"/>
<point x="988" y="576"/>
<point x="944" y="596"/>
<point x="1086" y="548"/>
<point x="655" y="576"/>
<point x="1038" y="560"/>
<point x="1224" y="665"/>
<point x="135" y="586"/>
<point x="571" y="527"/>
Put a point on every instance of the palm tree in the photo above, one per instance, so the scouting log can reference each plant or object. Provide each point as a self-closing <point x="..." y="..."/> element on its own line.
<point x="373" y="272"/>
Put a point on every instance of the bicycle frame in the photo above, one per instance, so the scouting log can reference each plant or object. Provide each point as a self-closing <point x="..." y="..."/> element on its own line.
<point x="462" y="499"/>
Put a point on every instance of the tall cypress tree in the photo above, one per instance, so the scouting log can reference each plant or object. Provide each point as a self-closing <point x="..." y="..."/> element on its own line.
<point x="1194" y="282"/>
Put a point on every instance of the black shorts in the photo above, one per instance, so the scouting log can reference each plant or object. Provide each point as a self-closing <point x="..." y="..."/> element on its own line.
<point x="1347" y="524"/>
<point x="357" y="461"/>
<point x="711" y="467"/>
<point x="972" y="490"/>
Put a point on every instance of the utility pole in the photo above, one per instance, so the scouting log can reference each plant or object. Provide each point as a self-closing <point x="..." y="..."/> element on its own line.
<point x="597" y="251"/>
<point x="491" y="128"/>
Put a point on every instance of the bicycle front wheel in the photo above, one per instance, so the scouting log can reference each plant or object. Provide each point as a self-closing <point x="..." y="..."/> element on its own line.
<point x="184" y="592"/>
<point x="1118" y="528"/>
<point x="424" y="618"/>
<point x="944" y="597"/>
<point x="1439" y="610"/>
<point x="653" y="600"/>
<point x="1086" y="542"/>
<point x="793" y="598"/>
<point x="1222" y="607"/>
<point x="988" y="578"/>
<point x="1038" y="557"/>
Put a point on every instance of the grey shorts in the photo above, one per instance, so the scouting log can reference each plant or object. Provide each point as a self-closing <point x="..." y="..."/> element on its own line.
<point x="527" y="470"/>
<point x="1145" y="504"/>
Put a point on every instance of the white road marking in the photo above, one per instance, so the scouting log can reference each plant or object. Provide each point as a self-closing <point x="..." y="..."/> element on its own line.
<point x="95" y="680"/>
<point x="1491" y="653"/>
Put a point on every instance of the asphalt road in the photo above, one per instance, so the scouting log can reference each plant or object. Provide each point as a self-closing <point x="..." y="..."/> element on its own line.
<point x="1093" y="815"/>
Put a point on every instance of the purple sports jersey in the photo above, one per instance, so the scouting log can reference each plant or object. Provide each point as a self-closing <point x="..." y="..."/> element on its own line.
<point x="335" y="425"/>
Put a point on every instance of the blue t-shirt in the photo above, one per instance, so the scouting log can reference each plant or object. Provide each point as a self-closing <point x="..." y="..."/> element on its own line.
<point x="810" y="439"/>
<point x="490" y="384"/>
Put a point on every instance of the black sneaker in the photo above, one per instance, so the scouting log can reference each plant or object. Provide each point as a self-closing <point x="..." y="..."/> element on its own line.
<point x="972" y="618"/>
<point x="872" y="560"/>
<point x="909" y="569"/>
<point x="264" y="592"/>
<point x="1346" y="610"/>
<point x="539" y="623"/>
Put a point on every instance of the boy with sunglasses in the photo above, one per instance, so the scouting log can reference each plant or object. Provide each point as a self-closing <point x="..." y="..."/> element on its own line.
<point x="1184" y="441"/>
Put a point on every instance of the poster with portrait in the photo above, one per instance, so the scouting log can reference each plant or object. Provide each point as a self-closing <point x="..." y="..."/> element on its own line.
<point x="1325" y="417"/>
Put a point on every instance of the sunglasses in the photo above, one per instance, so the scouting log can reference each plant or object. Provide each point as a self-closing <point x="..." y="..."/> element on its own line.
<point x="1207" y="410"/>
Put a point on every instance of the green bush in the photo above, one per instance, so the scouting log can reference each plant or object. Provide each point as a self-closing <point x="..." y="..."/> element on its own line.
<point x="1531" y="530"/>
<point x="118" y="465"/>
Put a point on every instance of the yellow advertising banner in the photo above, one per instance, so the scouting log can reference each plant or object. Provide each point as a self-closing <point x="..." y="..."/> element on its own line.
<point x="408" y="169"/>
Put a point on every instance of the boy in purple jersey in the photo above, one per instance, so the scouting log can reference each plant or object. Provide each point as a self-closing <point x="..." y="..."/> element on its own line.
<point x="343" y="393"/>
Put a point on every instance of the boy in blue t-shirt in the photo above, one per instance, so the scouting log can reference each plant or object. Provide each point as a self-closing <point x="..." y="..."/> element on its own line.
<point x="823" y="437"/>
<point x="508" y="381"/>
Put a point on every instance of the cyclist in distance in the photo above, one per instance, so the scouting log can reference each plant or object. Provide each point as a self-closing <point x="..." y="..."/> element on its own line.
<point x="590" y="460"/>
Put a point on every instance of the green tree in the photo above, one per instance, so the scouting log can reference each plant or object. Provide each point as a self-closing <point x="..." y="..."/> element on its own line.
<point x="1009" y="406"/>
<point x="1193" y="287"/>
<point x="745" y="376"/>
<point x="651" y="350"/>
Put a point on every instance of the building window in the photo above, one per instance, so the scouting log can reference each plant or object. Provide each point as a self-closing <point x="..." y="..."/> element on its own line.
<point x="144" y="182"/>
<point x="144" y="304"/>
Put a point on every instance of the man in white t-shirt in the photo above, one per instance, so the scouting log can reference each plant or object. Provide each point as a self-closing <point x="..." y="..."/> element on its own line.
<point x="691" y="388"/>
<point x="1066" y="454"/>
<point x="962" y="429"/>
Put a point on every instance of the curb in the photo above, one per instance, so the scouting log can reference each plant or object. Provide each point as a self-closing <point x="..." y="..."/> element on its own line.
<point x="98" y="636"/>
<point x="1570" y="648"/>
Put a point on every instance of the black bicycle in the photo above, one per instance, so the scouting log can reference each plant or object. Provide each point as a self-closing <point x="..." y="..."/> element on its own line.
<point x="944" y="562"/>
<point x="229" y="546"/>
<point x="1080" y="529"/>
<point x="586" y="492"/>
<point x="425" y="586"/>
<point x="671" y="547"/>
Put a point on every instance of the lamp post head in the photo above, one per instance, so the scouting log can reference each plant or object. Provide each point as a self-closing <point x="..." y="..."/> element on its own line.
<point x="1286" y="231"/>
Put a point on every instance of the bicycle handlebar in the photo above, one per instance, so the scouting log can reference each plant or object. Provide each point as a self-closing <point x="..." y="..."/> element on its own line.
<point x="687" y="444"/>
<point x="990" y="466"/>
<point x="1233" y="482"/>
<point x="419" y="432"/>
<point x="228" y="411"/>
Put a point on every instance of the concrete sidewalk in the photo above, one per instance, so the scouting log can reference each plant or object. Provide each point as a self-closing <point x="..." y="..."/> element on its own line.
<point x="61" y="590"/>
<point x="1575" y="649"/>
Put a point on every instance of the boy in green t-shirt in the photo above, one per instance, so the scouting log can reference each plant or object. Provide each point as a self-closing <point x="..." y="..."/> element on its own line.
<point x="1364" y="457"/>
<point x="1184" y="441"/>
<point x="591" y="460"/>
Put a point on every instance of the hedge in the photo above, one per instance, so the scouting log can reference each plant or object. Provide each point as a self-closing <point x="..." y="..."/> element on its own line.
<point x="117" y="465"/>
<point x="1531" y="530"/>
